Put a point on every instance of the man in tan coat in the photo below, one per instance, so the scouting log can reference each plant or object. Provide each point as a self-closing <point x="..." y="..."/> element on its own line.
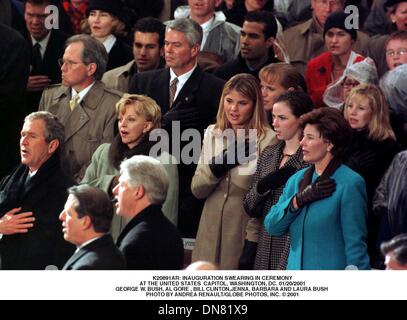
<point x="82" y="103"/>
<point x="148" y="51"/>
<point x="305" y="41"/>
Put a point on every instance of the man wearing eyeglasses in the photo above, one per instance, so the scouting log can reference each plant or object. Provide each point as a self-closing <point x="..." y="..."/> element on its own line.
<point x="47" y="46"/>
<point x="82" y="103"/>
<point x="305" y="41"/>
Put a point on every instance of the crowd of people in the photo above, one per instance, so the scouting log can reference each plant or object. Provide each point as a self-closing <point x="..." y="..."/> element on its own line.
<point x="272" y="133"/>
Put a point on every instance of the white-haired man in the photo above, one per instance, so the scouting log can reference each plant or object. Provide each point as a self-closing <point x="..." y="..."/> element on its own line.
<point x="149" y="241"/>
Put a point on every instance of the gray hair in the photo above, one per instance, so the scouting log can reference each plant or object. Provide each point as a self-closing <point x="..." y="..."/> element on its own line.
<point x="191" y="29"/>
<point x="147" y="172"/>
<point x="93" y="52"/>
<point x="54" y="129"/>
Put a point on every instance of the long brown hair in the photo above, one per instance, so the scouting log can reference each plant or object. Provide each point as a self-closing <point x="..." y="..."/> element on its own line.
<point x="248" y="86"/>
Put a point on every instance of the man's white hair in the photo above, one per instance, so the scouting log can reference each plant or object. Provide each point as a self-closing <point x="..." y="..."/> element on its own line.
<point x="147" y="172"/>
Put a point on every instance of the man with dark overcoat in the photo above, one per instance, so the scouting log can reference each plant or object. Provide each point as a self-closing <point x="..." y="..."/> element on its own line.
<point x="186" y="94"/>
<point x="31" y="198"/>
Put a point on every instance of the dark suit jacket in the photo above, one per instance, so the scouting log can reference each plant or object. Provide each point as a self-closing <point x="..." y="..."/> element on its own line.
<point x="151" y="242"/>
<point x="54" y="51"/>
<point x="238" y="65"/>
<point x="201" y="95"/>
<point x="45" y="195"/>
<point x="14" y="69"/>
<point x="101" y="254"/>
<point x="120" y="54"/>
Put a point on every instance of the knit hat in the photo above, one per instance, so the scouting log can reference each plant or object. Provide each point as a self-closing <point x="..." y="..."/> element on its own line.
<point x="114" y="7"/>
<point x="337" y="20"/>
<point x="390" y="3"/>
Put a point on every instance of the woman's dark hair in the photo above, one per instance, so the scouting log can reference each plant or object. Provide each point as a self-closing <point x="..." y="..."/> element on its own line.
<point x="397" y="245"/>
<point x="332" y="126"/>
<point x="299" y="102"/>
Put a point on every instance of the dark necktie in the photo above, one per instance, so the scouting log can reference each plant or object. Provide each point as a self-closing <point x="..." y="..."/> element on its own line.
<point x="173" y="90"/>
<point x="38" y="67"/>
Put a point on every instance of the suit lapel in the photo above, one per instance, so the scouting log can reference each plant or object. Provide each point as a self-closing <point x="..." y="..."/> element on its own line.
<point x="60" y="104"/>
<point x="190" y="87"/>
<point x="76" y="256"/>
<point x="160" y="89"/>
<point x="79" y="116"/>
<point x="100" y="242"/>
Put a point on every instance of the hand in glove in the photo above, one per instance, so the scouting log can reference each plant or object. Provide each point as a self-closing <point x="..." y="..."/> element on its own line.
<point x="231" y="157"/>
<point x="316" y="191"/>
<point x="246" y="261"/>
<point x="275" y="179"/>
<point x="188" y="118"/>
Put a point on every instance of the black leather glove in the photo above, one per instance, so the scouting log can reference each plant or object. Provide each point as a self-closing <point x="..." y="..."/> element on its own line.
<point x="230" y="157"/>
<point x="316" y="191"/>
<point x="275" y="179"/>
<point x="246" y="261"/>
<point x="360" y="160"/>
<point x="188" y="118"/>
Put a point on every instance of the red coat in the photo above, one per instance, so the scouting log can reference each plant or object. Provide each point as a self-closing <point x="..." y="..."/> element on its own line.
<point x="318" y="76"/>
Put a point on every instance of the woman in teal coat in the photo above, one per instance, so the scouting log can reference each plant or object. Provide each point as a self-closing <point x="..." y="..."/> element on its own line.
<point x="324" y="206"/>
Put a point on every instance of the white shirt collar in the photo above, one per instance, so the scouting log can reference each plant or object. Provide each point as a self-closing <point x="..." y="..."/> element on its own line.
<point x="206" y="27"/>
<point x="32" y="174"/>
<point x="86" y="243"/>
<point x="109" y="42"/>
<point x="43" y="43"/>
<point x="182" y="79"/>
<point x="82" y="94"/>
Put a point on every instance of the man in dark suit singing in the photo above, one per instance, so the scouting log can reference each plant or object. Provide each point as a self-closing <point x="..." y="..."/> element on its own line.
<point x="149" y="241"/>
<point x="32" y="240"/>
<point x="186" y="94"/>
<point x="86" y="221"/>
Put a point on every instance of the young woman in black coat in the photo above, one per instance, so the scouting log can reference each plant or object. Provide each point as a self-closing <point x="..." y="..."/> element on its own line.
<point x="105" y="23"/>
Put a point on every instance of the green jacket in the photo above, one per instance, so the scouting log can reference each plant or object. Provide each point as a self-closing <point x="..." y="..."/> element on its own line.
<point x="101" y="172"/>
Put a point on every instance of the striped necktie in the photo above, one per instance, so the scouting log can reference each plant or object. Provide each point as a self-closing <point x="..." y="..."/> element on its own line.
<point x="173" y="90"/>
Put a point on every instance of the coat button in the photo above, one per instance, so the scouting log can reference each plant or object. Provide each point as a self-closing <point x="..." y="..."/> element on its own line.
<point x="225" y="195"/>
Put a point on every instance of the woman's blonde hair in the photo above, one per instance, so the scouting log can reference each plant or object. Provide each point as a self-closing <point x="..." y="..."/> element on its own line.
<point x="143" y="106"/>
<point x="248" y="86"/>
<point x="379" y="126"/>
<point x="118" y="26"/>
<point x="284" y="74"/>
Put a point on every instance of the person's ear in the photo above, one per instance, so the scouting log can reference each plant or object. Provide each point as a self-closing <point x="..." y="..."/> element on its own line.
<point x="92" y="67"/>
<point x="195" y="50"/>
<point x="139" y="192"/>
<point x="393" y="17"/>
<point x="270" y="42"/>
<point x="330" y="147"/>
<point x="148" y="125"/>
<point x="53" y="146"/>
<point x="86" y="223"/>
